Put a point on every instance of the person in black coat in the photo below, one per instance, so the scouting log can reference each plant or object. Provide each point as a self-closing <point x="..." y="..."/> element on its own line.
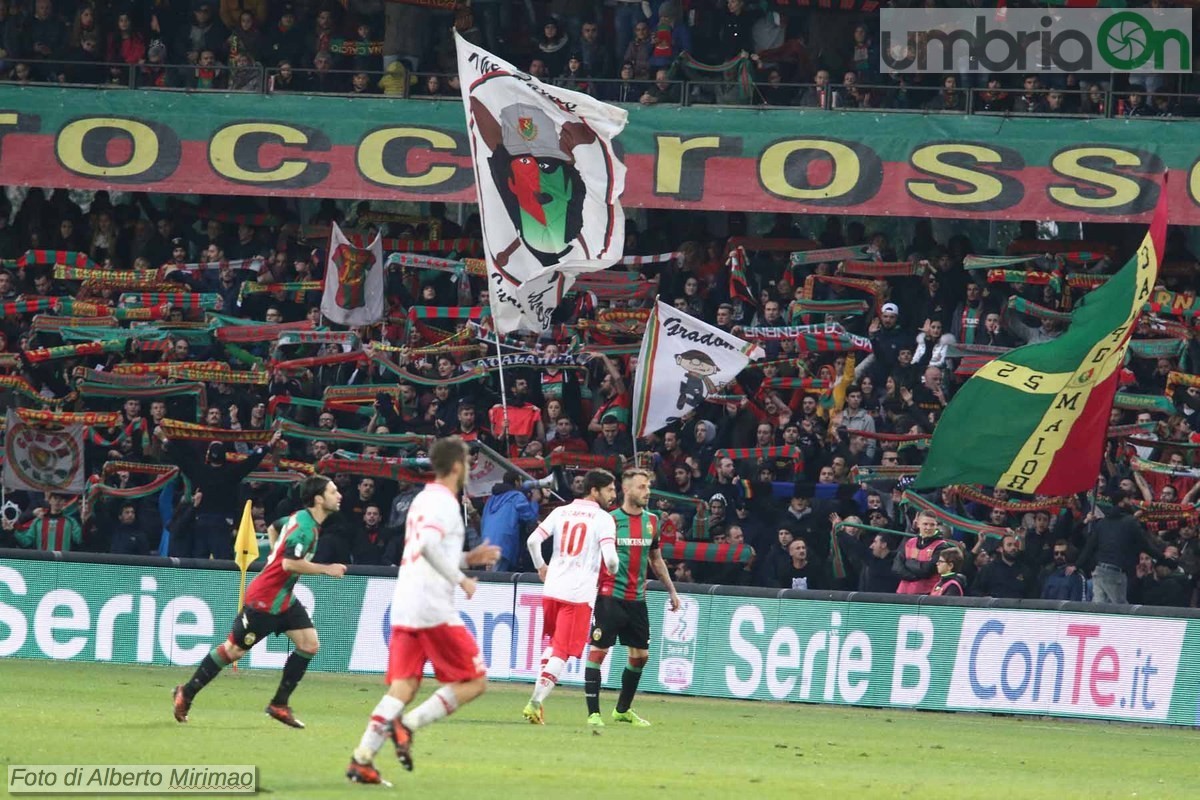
<point x="1113" y="548"/>
<point x="218" y="482"/>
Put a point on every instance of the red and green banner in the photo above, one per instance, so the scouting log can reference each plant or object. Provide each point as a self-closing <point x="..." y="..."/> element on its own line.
<point x="1035" y="419"/>
<point x="783" y="160"/>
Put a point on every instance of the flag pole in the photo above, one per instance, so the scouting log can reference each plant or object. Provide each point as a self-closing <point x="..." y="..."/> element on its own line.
<point x="503" y="392"/>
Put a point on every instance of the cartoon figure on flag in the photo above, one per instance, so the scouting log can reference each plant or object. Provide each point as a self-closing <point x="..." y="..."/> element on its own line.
<point x="354" y="282"/>
<point x="698" y="367"/>
<point x="549" y="184"/>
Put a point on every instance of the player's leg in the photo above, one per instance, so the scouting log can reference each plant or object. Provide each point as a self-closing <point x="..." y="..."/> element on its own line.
<point x="244" y="633"/>
<point x="406" y="660"/>
<point x="636" y="636"/>
<point x="607" y="625"/>
<point x="571" y="626"/>
<point x="458" y="666"/>
<point x="304" y="637"/>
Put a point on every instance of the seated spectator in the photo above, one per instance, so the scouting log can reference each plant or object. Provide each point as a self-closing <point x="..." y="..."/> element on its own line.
<point x="1060" y="580"/>
<point x="663" y="91"/>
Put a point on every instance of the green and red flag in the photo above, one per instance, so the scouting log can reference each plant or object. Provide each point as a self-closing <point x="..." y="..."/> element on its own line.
<point x="1035" y="419"/>
<point x="354" y="284"/>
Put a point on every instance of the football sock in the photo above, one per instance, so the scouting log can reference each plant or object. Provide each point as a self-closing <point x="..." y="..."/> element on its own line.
<point x="629" y="683"/>
<point x="549" y="677"/>
<point x="293" y="670"/>
<point x="209" y="668"/>
<point x="440" y="704"/>
<point x="591" y="689"/>
<point x="546" y="656"/>
<point x="386" y="710"/>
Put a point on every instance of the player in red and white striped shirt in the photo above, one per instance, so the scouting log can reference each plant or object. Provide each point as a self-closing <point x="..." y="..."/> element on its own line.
<point x="584" y="532"/>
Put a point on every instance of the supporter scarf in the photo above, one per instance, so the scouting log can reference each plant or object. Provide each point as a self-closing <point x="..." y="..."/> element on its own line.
<point x="1011" y="506"/>
<point x="623" y="315"/>
<point x="708" y="552"/>
<point x="637" y="261"/>
<point x="795" y="383"/>
<point x="565" y="361"/>
<point x="432" y="350"/>
<point x="826" y="342"/>
<point x="288" y="464"/>
<point x="1157" y="348"/>
<point x="882" y="269"/>
<point x="253" y="264"/>
<point x="186" y="301"/>
<point x="802" y="257"/>
<point x="996" y="262"/>
<point x="1165" y="512"/>
<point x="869" y="474"/>
<point x="758" y="453"/>
<point x="355" y="47"/>
<point x="1139" y="464"/>
<point x="382" y="468"/>
<point x="177" y="429"/>
<point x="13" y="308"/>
<point x="1176" y="378"/>
<point x="43" y="354"/>
<point x="295" y="364"/>
<point x="846" y="307"/>
<point x="348" y="340"/>
<point x="1166" y="327"/>
<point x="148" y="314"/>
<point x="48" y="324"/>
<point x="107" y="419"/>
<point x="1078" y="280"/>
<point x="1131" y="431"/>
<point x="914" y="500"/>
<point x="387" y="364"/>
<point x="89" y="333"/>
<point x="1164" y="308"/>
<point x="293" y="291"/>
<point x="628" y="328"/>
<point x="19" y="385"/>
<point x="243" y="356"/>
<point x="448" y="312"/>
<point x="246" y="334"/>
<point x="98" y="489"/>
<point x="110" y="278"/>
<point x="1031" y="278"/>
<point x="460" y="245"/>
<point x="283" y="476"/>
<point x="736" y="70"/>
<point x="899" y="438"/>
<point x="860" y="284"/>
<point x="699" y="507"/>
<point x="136" y="428"/>
<point x="224" y="375"/>
<point x="1143" y="402"/>
<point x="72" y="258"/>
<point x="1023" y="306"/>
<point x="581" y="461"/>
<point x="422" y="261"/>
<point x="293" y="430"/>
<point x="969" y="365"/>
<point x="163" y="369"/>
<point x="104" y="376"/>
<point x="969" y="322"/>
<point x="88" y="389"/>
<point x="360" y="393"/>
<point x="964" y="350"/>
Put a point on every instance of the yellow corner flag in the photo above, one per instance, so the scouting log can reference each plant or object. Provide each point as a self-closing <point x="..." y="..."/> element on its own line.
<point x="245" y="552"/>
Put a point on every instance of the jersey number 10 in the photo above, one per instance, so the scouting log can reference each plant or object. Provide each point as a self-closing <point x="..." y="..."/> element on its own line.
<point x="573" y="537"/>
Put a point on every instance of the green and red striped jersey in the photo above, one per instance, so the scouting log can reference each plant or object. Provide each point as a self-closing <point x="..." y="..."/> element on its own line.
<point x="50" y="533"/>
<point x="271" y="589"/>
<point x="637" y="535"/>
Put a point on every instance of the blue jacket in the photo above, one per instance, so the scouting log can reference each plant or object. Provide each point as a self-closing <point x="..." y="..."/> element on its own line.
<point x="501" y="521"/>
<point x="1060" y="586"/>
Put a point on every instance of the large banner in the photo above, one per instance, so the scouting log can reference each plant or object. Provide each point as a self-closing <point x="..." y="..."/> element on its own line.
<point x="1069" y="664"/>
<point x="787" y="160"/>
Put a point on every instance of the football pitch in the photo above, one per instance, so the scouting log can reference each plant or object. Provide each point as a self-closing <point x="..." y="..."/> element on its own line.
<point x="61" y="713"/>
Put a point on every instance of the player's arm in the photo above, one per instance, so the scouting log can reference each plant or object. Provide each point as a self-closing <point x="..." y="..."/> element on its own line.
<point x="662" y="571"/>
<point x="429" y="535"/>
<point x="299" y="566"/>
<point x="534" y="543"/>
<point x="608" y="545"/>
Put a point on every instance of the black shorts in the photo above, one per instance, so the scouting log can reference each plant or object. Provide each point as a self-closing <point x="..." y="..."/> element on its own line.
<point x="626" y="620"/>
<point x="253" y="626"/>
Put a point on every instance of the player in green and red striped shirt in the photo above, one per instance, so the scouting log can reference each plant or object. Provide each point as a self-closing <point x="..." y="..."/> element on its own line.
<point x="620" y="611"/>
<point x="271" y="608"/>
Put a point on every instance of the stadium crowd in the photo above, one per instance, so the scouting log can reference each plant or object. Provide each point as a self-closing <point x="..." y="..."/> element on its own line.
<point x="793" y="54"/>
<point x="787" y="467"/>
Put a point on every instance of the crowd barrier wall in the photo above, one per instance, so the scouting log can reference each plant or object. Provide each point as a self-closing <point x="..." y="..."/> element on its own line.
<point x="887" y="651"/>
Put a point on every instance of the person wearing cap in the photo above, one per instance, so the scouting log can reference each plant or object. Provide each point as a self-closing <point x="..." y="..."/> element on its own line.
<point x="1113" y="547"/>
<point x="204" y="32"/>
<point x="218" y="482"/>
<point x="285" y="41"/>
<point x="1166" y="584"/>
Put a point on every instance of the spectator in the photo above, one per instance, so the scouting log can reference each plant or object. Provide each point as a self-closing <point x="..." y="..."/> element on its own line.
<point x="670" y="38"/>
<point x="127" y="536"/>
<point x="506" y="515"/>
<point x="916" y="561"/>
<point x="204" y="33"/>
<point x="126" y="44"/>
<point x="951" y="583"/>
<point x="1005" y="576"/>
<point x="1113" y="547"/>
<point x="286" y="41"/>
<point x="799" y="572"/>
<point x="664" y="91"/>
<point x="554" y="46"/>
<point x="594" y="55"/>
<point x="46" y="36"/>
<point x="1060" y="580"/>
<point x="639" y="50"/>
<point x="208" y="72"/>
<point x="627" y="16"/>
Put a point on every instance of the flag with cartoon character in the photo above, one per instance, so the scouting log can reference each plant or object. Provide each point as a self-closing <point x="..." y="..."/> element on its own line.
<point x="549" y="185"/>
<point x="683" y="360"/>
<point x="354" y="282"/>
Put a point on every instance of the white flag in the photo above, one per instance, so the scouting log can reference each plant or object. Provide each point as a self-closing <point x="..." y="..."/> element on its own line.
<point x="354" y="289"/>
<point x="43" y="459"/>
<point x="682" y="361"/>
<point x="548" y="182"/>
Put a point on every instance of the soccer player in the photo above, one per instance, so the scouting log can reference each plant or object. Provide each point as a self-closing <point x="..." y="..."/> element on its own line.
<point x="425" y="626"/>
<point x="270" y="607"/>
<point x="621" y="605"/>
<point x="583" y="534"/>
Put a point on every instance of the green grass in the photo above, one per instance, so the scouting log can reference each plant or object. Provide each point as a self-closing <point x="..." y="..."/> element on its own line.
<point x="58" y="713"/>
